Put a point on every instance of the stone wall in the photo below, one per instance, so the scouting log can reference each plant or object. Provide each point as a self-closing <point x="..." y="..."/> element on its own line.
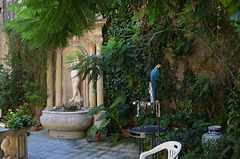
<point x="200" y="64"/>
<point x="5" y="16"/>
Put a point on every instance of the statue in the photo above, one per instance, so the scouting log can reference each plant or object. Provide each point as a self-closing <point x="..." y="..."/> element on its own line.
<point x="75" y="83"/>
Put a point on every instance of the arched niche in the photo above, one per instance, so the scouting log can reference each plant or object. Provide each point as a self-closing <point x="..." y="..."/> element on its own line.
<point x="67" y="92"/>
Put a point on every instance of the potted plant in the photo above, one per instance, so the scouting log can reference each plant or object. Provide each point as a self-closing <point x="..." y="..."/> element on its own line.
<point x="117" y="113"/>
<point x="177" y="118"/>
<point x="35" y="127"/>
<point x="19" y="119"/>
<point x="101" y="130"/>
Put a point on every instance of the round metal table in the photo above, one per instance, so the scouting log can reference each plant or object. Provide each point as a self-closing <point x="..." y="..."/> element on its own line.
<point x="147" y="131"/>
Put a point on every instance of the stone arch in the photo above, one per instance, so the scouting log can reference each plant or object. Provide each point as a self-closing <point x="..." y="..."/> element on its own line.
<point x="75" y="47"/>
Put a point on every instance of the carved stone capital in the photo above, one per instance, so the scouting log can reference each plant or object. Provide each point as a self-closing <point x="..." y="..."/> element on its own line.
<point x="91" y="43"/>
<point x="59" y="50"/>
<point x="98" y="41"/>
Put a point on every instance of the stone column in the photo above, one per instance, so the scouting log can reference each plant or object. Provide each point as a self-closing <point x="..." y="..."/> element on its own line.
<point x="98" y="40"/>
<point x="50" y="83"/>
<point x="92" y="94"/>
<point x="58" y="84"/>
<point x="64" y="84"/>
<point x="100" y="97"/>
<point x="86" y="93"/>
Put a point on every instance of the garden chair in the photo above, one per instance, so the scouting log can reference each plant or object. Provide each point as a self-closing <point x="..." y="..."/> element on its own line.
<point x="173" y="148"/>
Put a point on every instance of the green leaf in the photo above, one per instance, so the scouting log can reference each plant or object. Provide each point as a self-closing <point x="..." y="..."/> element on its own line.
<point x="226" y="2"/>
<point x="235" y="17"/>
<point x="121" y="108"/>
<point x="120" y="99"/>
<point x="140" y="14"/>
<point x="130" y="82"/>
<point x="114" y="137"/>
<point x="120" y="59"/>
<point x="103" y="131"/>
<point x="148" y="121"/>
<point x="198" y="123"/>
<point x="103" y="116"/>
<point x="49" y="24"/>
<point x="104" y="123"/>
<point x="226" y="150"/>
<point x="95" y="110"/>
<point x="94" y="130"/>
<point x="124" y="121"/>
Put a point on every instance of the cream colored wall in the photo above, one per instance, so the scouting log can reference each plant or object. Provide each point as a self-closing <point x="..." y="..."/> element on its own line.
<point x="88" y="44"/>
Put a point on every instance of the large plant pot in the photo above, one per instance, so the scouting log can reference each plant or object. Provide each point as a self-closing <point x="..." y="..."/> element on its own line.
<point x="125" y="132"/>
<point x="209" y="139"/>
<point x="66" y="125"/>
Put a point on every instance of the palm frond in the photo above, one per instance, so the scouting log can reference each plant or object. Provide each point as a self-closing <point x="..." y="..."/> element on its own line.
<point x="51" y="23"/>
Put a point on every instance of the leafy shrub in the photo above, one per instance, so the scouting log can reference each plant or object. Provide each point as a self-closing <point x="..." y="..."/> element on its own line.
<point x="19" y="119"/>
<point x="35" y="94"/>
<point x="206" y="90"/>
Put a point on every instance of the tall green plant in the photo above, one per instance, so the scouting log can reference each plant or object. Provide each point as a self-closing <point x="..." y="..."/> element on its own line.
<point x="232" y="138"/>
<point x="35" y="95"/>
<point x="117" y="113"/>
<point x="21" y="65"/>
<point x="205" y="90"/>
<point x="11" y="93"/>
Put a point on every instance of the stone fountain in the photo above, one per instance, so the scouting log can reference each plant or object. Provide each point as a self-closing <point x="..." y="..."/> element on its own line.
<point x="66" y="122"/>
<point x="66" y="91"/>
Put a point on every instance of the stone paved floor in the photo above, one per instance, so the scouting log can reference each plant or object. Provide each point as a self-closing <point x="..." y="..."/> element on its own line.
<point x="41" y="146"/>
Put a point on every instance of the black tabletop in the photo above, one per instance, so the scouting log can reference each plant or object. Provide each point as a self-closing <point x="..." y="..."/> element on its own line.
<point x="146" y="129"/>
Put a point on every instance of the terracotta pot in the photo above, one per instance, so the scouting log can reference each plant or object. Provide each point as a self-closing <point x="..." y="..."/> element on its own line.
<point x="177" y="125"/>
<point x="97" y="136"/>
<point x="35" y="127"/>
<point x="125" y="132"/>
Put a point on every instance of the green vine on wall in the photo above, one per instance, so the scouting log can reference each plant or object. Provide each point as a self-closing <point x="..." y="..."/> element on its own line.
<point x="25" y="65"/>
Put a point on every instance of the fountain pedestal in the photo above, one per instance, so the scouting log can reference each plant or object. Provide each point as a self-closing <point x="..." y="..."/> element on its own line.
<point x="66" y="125"/>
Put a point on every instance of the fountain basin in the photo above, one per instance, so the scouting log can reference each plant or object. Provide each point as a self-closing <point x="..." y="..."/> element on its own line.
<point x="66" y="125"/>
